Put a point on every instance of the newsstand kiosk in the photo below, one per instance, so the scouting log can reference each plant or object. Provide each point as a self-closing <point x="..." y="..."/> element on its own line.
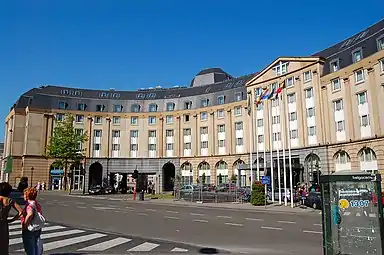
<point x="352" y="213"/>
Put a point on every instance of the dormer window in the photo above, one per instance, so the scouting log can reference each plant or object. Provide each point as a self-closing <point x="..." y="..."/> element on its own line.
<point x="357" y="55"/>
<point x="334" y="65"/>
<point x="81" y="107"/>
<point x="135" y="108"/>
<point x="170" y="106"/>
<point x="188" y="105"/>
<point x="152" y="108"/>
<point x="100" y="108"/>
<point x="63" y="105"/>
<point x="380" y="43"/>
<point x="220" y="100"/>
<point x="238" y="96"/>
<point x="204" y="102"/>
<point x="281" y="68"/>
<point x="117" y="108"/>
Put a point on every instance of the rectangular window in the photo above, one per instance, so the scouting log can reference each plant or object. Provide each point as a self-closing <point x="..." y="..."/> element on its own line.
<point x="187" y="146"/>
<point x="291" y="98"/>
<point x="362" y="97"/>
<point x="294" y="134"/>
<point x="239" y="126"/>
<point x="290" y="82"/>
<point x="220" y="128"/>
<point x="96" y="146"/>
<point x="204" y="130"/>
<point x="187" y="131"/>
<point x="276" y="136"/>
<point x="204" y="145"/>
<point x="260" y="138"/>
<point x="152" y="133"/>
<point x="169" y="133"/>
<point x="97" y="133"/>
<point x="276" y="119"/>
<point x="170" y="106"/>
<point x="60" y="117"/>
<point x="336" y="84"/>
<point x="169" y="119"/>
<point x="134" y="133"/>
<point x="307" y="76"/>
<point x="364" y="120"/>
<point x="260" y="122"/>
<point x="359" y="76"/>
<point x="239" y="141"/>
<point x="221" y="143"/>
<point x="204" y="116"/>
<point x="152" y="108"/>
<point x="275" y="102"/>
<point x="292" y="116"/>
<point x="312" y="131"/>
<point x="220" y="100"/>
<point x="151" y="147"/>
<point x="380" y="43"/>
<point x="100" y="108"/>
<point x="334" y="65"/>
<point x="188" y="105"/>
<point x="81" y="107"/>
<point x="238" y="111"/>
<point x="115" y="120"/>
<point x="134" y="120"/>
<point x="79" y="131"/>
<point x="340" y="126"/>
<point x="238" y="96"/>
<point x="151" y="120"/>
<point x="310" y="112"/>
<point x="186" y="117"/>
<point x="338" y="105"/>
<point x="134" y="147"/>
<point x="115" y="147"/>
<point x="220" y="114"/>
<point x="135" y="108"/>
<point x="204" y="102"/>
<point x="117" y="108"/>
<point x="357" y="55"/>
<point x="169" y="146"/>
<point x="308" y="92"/>
<point x="62" y="105"/>
<point x="382" y="65"/>
<point x="79" y="118"/>
<point x="115" y="133"/>
<point x="260" y="106"/>
<point x="98" y="120"/>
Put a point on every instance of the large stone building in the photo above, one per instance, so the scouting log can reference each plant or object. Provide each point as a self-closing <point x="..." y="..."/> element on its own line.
<point x="330" y="107"/>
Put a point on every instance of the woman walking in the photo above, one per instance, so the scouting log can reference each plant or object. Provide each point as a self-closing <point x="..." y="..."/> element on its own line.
<point x="31" y="239"/>
<point x="5" y="206"/>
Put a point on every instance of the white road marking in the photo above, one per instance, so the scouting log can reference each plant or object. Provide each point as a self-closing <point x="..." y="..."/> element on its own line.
<point x="372" y="215"/>
<point x="272" y="228"/>
<point x="179" y="250"/>
<point x="151" y="210"/>
<point x="170" y="217"/>
<point x="129" y="207"/>
<point x="204" y="221"/>
<point x="358" y="214"/>
<point x="312" y="232"/>
<point x="171" y="212"/>
<point x="106" y="245"/>
<point x="347" y="213"/>
<point x="254" y="219"/>
<point x="144" y="247"/>
<point x="18" y="232"/>
<point x="71" y="241"/>
<point x="224" y="217"/>
<point x="286" y="222"/>
<point x="103" y="208"/>
<point x="50" y="235"/>
<point x="142" y="214"/>
<point x="64" y="205"/>
<point x="319" y="225"/>
<point x="81" y="207"/>
<point x="365" y="213"/>
<point x="196" y="214"/>
<point x="80" y="203"/>
<point x="234" y="224"/>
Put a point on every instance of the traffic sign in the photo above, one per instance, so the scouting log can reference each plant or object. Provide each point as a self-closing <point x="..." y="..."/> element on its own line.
<point x="266" y="180"/>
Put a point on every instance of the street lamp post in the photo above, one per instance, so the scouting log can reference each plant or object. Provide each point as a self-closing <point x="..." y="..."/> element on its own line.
<point x="32" y="176"/>
<point x="108" y="147"/>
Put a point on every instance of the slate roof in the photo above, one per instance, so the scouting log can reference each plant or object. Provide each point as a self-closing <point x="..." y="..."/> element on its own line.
<point x="366" y="39"/>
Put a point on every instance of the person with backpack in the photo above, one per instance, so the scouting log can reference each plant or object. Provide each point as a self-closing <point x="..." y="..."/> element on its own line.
<point x="32" y="222"/>
<point x="5" y="206"/>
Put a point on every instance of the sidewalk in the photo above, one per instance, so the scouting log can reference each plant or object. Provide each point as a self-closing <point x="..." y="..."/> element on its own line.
<point x="172" y="202"/>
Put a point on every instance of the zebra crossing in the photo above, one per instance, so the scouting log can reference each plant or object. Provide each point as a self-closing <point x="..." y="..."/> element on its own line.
<point x="63" y="239"/>
<point x="358" y="214"/>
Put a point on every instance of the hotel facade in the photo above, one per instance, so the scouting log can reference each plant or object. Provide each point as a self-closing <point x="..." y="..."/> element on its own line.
<point x="329" y="113"/>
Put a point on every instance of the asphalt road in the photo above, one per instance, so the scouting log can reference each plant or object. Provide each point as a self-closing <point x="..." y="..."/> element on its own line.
<point x="224" y="229"/>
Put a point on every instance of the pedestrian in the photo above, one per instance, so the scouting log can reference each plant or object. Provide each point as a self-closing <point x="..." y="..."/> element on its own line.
<point x="5" y="206"/>
<point x="31" y="238"/>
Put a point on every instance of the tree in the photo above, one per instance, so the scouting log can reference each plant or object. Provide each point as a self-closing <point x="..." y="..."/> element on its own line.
<point x="233" y="178"/>
<point x="65" y="144"/>
<point x="258" y="194"/>
<point x="203" y="178"/>
<point x="220" y="179"/>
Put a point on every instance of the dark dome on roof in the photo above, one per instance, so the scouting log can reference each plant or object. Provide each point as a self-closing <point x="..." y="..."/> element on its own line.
<point x="211" y="70"/>
<point x="210" y="76"/>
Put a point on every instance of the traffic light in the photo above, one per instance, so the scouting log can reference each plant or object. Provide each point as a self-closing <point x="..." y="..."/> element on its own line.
<point x="135" y="174"/>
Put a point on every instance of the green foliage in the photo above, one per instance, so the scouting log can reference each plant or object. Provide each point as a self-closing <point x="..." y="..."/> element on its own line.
<point x="203" y="178"/>
<point x="233" y="178"/>
<point x="64" y="144"/>
<point x="197" y="180"/>
<point x="220" y="179"/>
<point x="258" y="194"/>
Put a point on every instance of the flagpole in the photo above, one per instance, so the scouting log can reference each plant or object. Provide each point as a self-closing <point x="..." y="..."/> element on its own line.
<point x="257" y="145"/>
<point x="289" y="149"/>
<point x="278" y="152"/>
<point x="283" y="137"/>
<point x="271" y="150"/>
<point x="250" y="136"/>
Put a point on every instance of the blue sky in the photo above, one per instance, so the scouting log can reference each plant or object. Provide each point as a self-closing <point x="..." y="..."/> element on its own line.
<point x="129" y="44"/>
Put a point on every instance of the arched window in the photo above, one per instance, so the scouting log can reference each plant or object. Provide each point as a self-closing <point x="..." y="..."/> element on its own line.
<point x="170" y="106"/>
<point x="186" y="173"/>
<point x="342" y="161"/>
<point x="204" y="173"/>
<point x="240" y="174"/>
<point x="152" y="108"/>
<point x="368" y="160"/>
<point x="221" y="172"/>
<point x="135" y="108"/>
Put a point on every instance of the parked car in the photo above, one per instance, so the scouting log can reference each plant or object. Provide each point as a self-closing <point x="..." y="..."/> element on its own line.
<point x="97" y="190"/>
<point x="313" y="199"/>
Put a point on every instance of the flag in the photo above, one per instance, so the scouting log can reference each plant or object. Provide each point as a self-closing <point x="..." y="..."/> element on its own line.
<point x="263" y="96"/>
<point x="8" y="164"/>
<point x="249" y="104"/>
<point x="280" y="88"/>
<point x="270" y="95"/>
